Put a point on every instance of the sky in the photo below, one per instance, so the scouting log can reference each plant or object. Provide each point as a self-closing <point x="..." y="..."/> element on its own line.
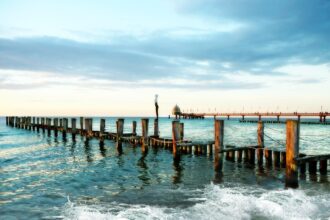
<point x="110" y="58"/>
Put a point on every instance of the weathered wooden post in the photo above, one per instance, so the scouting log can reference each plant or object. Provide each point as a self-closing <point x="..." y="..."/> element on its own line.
<point x="102" y="129"/>
<point x="43" y="125"/>
<point x="65" y="127"/>
<point x="156" y="128"/>
<point x="81" y="125"/>
<point x="218" y="143"/>
<point x="73" y="128"/>
<point x="239" y="155"/>
<point x="145" y="124"/>
<point x="49" y="121"/>
<point x="88" y="128"/>
<point x="55" y="127"/>
<point x="175" y="136"/>
<point x="323" y="167"/>
<point x="283" y="159"/>
<point x="277" y="158"/>
<point x="181" y="129"/>
<point x="7" y="120"/>
<point x="312" y="167"/>
<point x="38" y="124"/>
<point x="34" y="123"/>
<point x="292" y="152"/>
<point x="134" y="128"/>
<point x="29" y="123"/>
<point x="260" y="150"/>
<point x="120" y="132"/>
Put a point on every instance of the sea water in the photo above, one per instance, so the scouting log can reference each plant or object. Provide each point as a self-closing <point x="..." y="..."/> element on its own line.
<point x="44" y="177"/>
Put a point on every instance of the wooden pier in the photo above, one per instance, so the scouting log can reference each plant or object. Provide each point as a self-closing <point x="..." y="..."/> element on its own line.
<point x="290" y="158"/>
<point x="298" y="115"/>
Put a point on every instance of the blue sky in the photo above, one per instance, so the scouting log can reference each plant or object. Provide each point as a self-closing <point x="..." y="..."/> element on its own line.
<point x="203" y="55"/>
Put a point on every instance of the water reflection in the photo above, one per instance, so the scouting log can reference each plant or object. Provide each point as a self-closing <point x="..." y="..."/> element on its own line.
<point x="102" y="149"/>
<point x="143" y="171"/>
<point x="178" y="169"/>
<point x="88" y="151"/>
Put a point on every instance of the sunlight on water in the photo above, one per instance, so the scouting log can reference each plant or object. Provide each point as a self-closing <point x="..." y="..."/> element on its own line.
<point x="38" y="174"/>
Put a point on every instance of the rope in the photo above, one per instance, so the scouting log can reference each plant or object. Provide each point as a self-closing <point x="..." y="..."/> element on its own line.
<point x="277" y="141"/>
<point x="273" y="129"/>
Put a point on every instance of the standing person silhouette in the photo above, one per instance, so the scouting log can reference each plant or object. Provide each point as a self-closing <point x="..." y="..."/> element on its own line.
<point x="156" y="105"/>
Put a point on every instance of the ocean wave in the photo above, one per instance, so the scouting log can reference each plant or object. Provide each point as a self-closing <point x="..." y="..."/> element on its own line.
<point x="216" y="202"/>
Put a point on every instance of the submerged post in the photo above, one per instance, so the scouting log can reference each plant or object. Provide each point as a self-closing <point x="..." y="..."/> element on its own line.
<point x="175" y="135"/>
<point x="120" y="132"/>
<point x="43" y="125"/>
<point x="81" y="125"/>
<point x="260" y="150"/>
<point x="38" y="124"/>
<point x="102" y="129"/>
<point x="56" y="127"/>
<point x="134" y="128"/>
<point x="65" y="127"/>
<point x="292" y="152"/>
<point x="145" y="123"/>
<point x="49" y="123"/>
<point x="73" y="128"/>
<point x="218" y="143"/>
<point x="33" y="123"/>
<point x="181" y="131"/>
<point x="89" y="128"/>
<point x="156" y="128"/>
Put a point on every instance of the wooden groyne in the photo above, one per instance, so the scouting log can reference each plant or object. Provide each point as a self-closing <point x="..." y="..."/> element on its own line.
<point x="291" y="159"/>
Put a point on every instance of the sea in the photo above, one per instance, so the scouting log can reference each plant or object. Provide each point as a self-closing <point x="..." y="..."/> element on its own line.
<point x="46" y="177"/>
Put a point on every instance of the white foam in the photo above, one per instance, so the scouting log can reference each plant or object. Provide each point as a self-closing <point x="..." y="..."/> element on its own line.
<point x="217" y="202"/>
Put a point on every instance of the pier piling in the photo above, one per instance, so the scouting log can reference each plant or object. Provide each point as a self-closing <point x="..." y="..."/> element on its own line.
<point x="292" y="152"/>
<point x="145" y="125"/>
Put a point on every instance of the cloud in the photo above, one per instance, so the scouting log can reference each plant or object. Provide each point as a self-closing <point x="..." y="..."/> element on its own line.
<point x="266" y="37"/>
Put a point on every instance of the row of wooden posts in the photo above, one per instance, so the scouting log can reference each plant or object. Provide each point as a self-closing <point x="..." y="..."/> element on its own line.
<point x="291" y="159"/>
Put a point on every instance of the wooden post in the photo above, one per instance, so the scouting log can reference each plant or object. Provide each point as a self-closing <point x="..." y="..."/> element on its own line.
<point x="175" y="135"/>
<point x="56" y="127"/>
<point x="65" y="127"/>
<point x="61" y="123"/>
<point x="239" y="155"/>
<point x="268" y="157"/>
<point x="312" y="167"/>
<point x="102" y="129"/>
<point x="49" y="122"/>
<point x="292" y="152"/>
<point x="283" y="159"/>
<point x="145" y="124"/>
<point x="218" y="143"/>
<point x="38" y="124"/>
<point x="29" y="123"/>
<point x="120" y="132"/>
<point x="323" y="167"/>
<point x="88" y="128"/>
<point x="73" y="128"/>
<point x="261" y="144"/>
<point x="34" y="123"/>
<point x="277" y="158"/>
<point x="134" y="128"/>
<point x="181" y="129"/>
<point x="43" y="124"/>
<point x="81" y="125"/>
<point x="7" y="120"/>
<point x="156" y="128"/>
<point x="251" y="155"/>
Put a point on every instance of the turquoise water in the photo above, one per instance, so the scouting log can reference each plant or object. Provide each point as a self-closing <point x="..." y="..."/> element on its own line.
<point x="45" y="177"/>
